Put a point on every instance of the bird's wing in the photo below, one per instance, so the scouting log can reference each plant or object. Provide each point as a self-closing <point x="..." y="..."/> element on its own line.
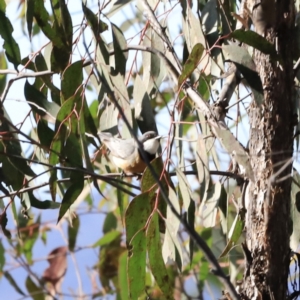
<point x="118" y="147"/>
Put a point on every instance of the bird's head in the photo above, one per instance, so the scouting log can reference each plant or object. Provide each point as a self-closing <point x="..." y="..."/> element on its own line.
<point x="150" y="141"/>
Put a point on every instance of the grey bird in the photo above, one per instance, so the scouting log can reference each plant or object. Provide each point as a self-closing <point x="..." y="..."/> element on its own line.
<point x="125" y="153"/>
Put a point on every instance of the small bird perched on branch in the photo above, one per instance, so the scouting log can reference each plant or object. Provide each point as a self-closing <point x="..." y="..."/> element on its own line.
<point x="125" y="153"/>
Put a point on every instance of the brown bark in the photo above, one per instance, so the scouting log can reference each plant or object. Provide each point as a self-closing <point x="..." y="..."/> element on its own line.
<point x="271" y="147"/>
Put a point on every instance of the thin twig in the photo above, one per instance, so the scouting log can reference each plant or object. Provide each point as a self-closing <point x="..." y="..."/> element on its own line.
<point x="22" y="76"/>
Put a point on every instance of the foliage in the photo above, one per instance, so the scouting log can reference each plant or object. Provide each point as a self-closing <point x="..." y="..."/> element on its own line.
<point x="95" y="70"/>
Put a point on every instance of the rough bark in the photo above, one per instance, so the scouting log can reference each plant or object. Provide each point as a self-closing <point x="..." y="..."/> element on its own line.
<point x="271" y="145"/>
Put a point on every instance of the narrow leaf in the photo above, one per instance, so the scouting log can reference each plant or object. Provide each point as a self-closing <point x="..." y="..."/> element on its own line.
<point x="29" y="16"/>
<point x="120" y="44"/>
<point x="3" y="220"/>
<point x="157" y="266"/>
<point x="96" y="25"/>
<point x="39" y="103"/>
<point x="122" y="276"/>
<point x="171" y="242"/>
<point x="235" y="232"/>
<point x="72" y="233"/>
<point x="209" y="208"/>
<point x="256" y="41"/>
<point x="10" y="46"/>
<point x="107" y="238"/>
<point x="71" y="79"/>
<point x="185" y="189"/>
<point x="3" y="66"/>
<point x="191" y="63"/>
<point x="69" y="198"/>
<point x="13" y="283"/>
<point x="2" y="257"/>
<point x="36" y="292"/>
<point x="147" y="181"/>
<point x="143" y="112"/>
<point x="136" y="217"/>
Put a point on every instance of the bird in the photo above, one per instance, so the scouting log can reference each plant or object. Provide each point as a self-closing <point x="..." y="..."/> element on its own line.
<point x="125" y="153"/>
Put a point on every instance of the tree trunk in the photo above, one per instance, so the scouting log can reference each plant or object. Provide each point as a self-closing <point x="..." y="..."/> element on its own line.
<point x="271" y="150"/>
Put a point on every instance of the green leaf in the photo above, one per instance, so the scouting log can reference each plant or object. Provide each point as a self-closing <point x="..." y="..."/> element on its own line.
<point x="143" y="111"/>
<point x="2" y="257"/>
<point x="55" y="149"/>
<point x="3" y="66"/>
<point x="72" y="153"/>
<point x="59" y="59"/>
<point x="235" y="232"/>
<point x="2" y="5"/>
<point x="12" y="150"/>
<point x="110" y="223"/>
<point x="41" y="65"/>
<point x="97" y="25"/>
<point x="120" y="44"/>
<point x="45" y="204"/>
<point x="10" y="46"/>
<point x="191" y="222"/>
<point x="36" y="292"/>
<point x="122" y="276"/>
<point x="185" y="189"/>
<point x="72" y="233"/>
<point x="109" y="119"/>
<point x="39" y="103"/>
<point x="202" y="168"/>
<point x="45" y="134"/>
<point x="41" y="16"/>
<point x="136" y="217"/>
<point x="204" y="87"/>
<point x="63" y="22"/>
<point x="223" y="206"/>
<point x="90" y="124"/>
<point x="53" y="184"/>
<point x="256" y="41"/>
<point x="70" y="196"/>
<point x="29" y="16"/>
<point x="171" y="241"/>
<point x="136" y="264"/>
<point x="191" y="64"/>
<point x="245" y="64"/>
<point x="154" y="69"/>
<point x="157" y="266"/>
<point x="64" y="114"/>
<point x="12" y="175"/>
<point x="210" y="16"/>
<point x="63" y="27"/>
<point x="147" y="181"/>
<point x="117" y="6"/>
<point x="109" y="262"/>
<point x="13" y="283"/>
<point x="29" y="238"/>
<point x="107" y="238"/>
<point x="209" y="208"/>
<point x="71" y="80"/>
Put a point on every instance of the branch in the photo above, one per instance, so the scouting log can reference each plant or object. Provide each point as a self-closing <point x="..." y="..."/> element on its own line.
<point x="112" y="181"/>
<point x="20" y="76"/>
